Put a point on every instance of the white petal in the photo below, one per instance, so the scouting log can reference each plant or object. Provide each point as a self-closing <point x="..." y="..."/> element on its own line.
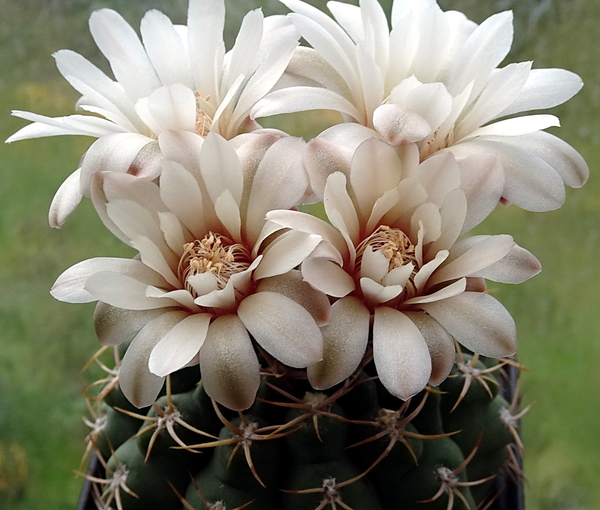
<point x="478" y="321"/>
<point x="139" y="385"/>
<point x="285" y="329"/>
<point x="454" y="289"/>
<point x="179" y="346"/>
<point x="171" y="107"/>
<point x="516" y="126"/>
<point x="302" y="98"/>
<point x="66" y="199"/>
<point x="165" y="49"/>
<point x="344" y="343"/>
<point x="121" y="46"/>
<point x="545" y="88"/>
<point x="327" y="276"/>
<point x="228" y="364"/>
<point x="400" y="353"/>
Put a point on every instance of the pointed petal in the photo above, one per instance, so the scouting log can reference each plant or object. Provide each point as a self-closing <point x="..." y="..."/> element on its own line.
<point x="66" y="199"/>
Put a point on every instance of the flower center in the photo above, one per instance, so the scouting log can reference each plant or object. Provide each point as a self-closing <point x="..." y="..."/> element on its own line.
<point x="396" y="247"/>
<point x="393" y="244"/>
<point x="204" y="120"/>
<point x="216" y="254"/>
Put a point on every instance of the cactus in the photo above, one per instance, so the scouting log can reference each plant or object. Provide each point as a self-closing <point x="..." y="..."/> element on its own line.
<point x="351" y="447"/>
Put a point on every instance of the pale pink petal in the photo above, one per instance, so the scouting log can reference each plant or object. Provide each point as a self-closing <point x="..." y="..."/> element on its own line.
<point x="117" y="325"/>
<point x="400" y="353"/>
<point x="530" y="182"/>
<point x="374" y="264"/>
<point x="139" y="385"/>
<point x="322" y="158"/>
<point x="440" y="344"/>
<point x="482" y="180"/>
<point x="221" y="169"/>
<point x="70" y="285"/>
<point x="375" y="293"/>
<point x="565" y="160"/>
<point x="478" y="321"/>
<point x="398" y="125"/>
<point x="327" y="276"/>
<point x="516" y="267"/>
<point x="375" y="169"/>
<point x="228" y="213"/>
<point x="344" y="343"/>
<point x="476" y="257"/>
<point x="284" y="328"/>
<point x="454" y="289"/>
<point x="122" y="291"/>
<point x="285" y="253"/>
<point x="151" y="255"/>
<point x="307" y="223"/>
<point x="340" y="208"/>
<point x="292" y="286"/>
<point x="228" y="364"/>
<point x="280" y="182"/>
<point x="179" y="346"/>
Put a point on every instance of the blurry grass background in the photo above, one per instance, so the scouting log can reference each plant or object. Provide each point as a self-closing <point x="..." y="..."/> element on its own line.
<point x="44" y="344"/>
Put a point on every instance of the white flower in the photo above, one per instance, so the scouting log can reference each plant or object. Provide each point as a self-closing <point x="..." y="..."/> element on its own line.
<point x="392" y="254"/>
<point x="433" y="79"/>
<point x="175" y="78"/>
<point x="209" y="275"/>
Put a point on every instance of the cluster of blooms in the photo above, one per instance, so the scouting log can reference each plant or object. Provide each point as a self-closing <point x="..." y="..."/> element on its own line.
<point x="228" y="270"/>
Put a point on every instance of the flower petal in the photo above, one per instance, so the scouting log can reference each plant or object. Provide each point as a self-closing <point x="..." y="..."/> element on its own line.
<point x="284" y="328"/>
<point x="478" y="321"/>
<point x="117" y="325"/>
<point x="179" y="346"/>
<point x="228" y="364"/>
<point x="139" y="385"/>
<point x="400" y="353"/>
<point x="344" y="343"/>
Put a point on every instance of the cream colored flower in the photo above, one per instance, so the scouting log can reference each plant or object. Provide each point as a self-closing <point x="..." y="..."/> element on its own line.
<point x="433" y="79"/>
<point x="209" y="276"/>
<point x="392" y="255"/>
<point x="175" y="78"/>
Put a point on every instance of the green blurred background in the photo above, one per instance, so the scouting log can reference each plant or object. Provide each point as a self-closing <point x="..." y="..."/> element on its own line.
<point x="44" y="344"/>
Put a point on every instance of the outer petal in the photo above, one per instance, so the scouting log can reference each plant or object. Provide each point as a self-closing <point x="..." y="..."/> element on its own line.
<point x="440" y="344"/>
<point x="344" y="343"/>
<point x="116" y="325"/>
<point x="228" y="364"/>
<point x="179" y="346"/>
<point x="400" y="353"/>
<point x="292" y="286"/>
<point x="65" y="200"/>
<point x="285" y="329"/>
<point x="69" y="286"/>
<point x="140" y="386"/>
<point x="478" y="321"/>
